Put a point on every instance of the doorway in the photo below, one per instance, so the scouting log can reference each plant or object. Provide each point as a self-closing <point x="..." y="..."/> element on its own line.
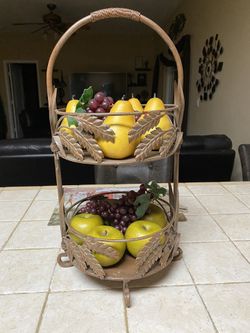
<point x="22" y="92"/>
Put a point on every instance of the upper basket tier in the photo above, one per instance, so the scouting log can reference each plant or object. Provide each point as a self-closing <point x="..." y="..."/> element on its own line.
<point x="80" y="144"/>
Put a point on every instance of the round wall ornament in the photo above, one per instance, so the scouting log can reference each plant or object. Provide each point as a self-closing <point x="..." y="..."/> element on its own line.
<point x="209" y="66"/>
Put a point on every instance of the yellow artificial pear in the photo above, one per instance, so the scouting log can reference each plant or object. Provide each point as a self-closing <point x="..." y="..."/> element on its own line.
<point x="121" y="106"/>
<point x="155" y="104"/>
<point x="70" y="108"/>
<point x="136" y="104"/>
<point x="121" y="126"/>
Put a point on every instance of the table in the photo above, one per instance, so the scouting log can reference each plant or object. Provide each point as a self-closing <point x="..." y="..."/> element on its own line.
<point x="207" y="291"/>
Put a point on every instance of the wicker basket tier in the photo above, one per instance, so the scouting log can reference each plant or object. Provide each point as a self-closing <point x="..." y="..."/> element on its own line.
<point x="80" y="145"/>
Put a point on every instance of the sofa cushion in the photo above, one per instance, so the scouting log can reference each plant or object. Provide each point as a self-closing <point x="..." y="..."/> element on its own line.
<point x="192" y="142"/>
<point x="207" y="142"/>
<point x="35" y="146"/>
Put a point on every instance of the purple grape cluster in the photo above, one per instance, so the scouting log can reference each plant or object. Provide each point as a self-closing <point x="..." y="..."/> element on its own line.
<point x="119" y="213"/>
<point x="100" y="103"/>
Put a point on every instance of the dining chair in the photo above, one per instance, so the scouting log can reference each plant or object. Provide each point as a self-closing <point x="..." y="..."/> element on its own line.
<point x="244" y="152"/>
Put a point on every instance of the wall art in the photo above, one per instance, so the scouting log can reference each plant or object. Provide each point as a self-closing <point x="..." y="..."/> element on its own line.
<point x="209" y="66"/>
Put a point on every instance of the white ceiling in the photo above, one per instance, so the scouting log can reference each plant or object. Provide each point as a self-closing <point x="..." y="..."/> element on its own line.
<point x="13" y="11"/>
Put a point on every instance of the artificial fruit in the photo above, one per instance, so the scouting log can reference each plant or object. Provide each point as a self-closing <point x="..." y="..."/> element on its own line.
<point x="121" y="147"/>
<point x="155" y="104"/>
<point x="138" y="229"/>
<point x="121" y="106"/>
<point x="136" y="104"/>
<point x="84" y="223"/>
<point x="156" y="214"/>
<point x="70" y="108"/>
<point x="108" y="232"/>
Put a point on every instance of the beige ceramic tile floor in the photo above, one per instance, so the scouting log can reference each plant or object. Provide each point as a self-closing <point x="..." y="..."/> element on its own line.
<point x="207" y="291"/>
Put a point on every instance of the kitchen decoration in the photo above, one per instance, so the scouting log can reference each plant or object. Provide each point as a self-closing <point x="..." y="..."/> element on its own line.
<point x="82" y="134"/>
<point x="209" y="66"/>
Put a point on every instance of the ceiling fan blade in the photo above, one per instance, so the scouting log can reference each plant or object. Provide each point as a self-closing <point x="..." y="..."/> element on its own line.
<point x="65" y="26"/>
<point x="57" y="30"/>
<point x="39" y="29"/>
<point x="51" y="22"/>
<point x="29" y="23"/>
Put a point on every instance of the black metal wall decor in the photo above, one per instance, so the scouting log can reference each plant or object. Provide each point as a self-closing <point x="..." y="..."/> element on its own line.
<point x="209" y="66"/>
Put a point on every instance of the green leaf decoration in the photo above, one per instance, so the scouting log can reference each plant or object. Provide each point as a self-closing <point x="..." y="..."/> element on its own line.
<point x="156" y="189"/>
<point x="84" y="99"/>
<point x="80" y="110"/>
<point x="87" y="95"/>
<point x="72" y="121"/>
<point x="142" y="202"/>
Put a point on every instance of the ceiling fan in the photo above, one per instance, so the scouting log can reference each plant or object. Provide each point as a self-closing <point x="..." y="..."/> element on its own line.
<point x="51" y="22"/>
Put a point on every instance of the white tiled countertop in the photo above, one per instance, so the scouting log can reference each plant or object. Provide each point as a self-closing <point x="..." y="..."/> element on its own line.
<point x="207" y="291"/>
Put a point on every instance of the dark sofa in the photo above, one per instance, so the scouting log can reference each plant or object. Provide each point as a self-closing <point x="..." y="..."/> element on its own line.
<point x="30" y="162"/>
<point x="206" y="158"/>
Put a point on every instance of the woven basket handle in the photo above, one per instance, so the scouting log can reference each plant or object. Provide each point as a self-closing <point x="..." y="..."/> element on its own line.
<point x="106" y="14"/>
<point x="115" y="13"/>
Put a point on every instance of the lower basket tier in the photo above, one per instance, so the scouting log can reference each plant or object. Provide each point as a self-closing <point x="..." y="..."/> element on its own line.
<point x="126" y="269"/>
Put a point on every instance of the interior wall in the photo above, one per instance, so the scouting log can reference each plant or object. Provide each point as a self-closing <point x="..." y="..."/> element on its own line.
<point x="83" y="52"/>
<point x="228" y="111"/>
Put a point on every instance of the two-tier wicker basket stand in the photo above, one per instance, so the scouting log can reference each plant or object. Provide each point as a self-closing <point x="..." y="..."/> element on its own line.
<point x="79" y="145"/>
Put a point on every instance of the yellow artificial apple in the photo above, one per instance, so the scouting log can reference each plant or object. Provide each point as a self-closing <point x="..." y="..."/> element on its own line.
<point x="84" y="223"/>
<point x="138" y="229"/>
<point x="108" y="232"/>
<point x="156" y="214"/>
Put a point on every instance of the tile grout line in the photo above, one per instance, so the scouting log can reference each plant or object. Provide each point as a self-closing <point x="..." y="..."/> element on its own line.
<point x="203" y="302"/>
<point x="202" y="205"/>
<point x="116" y="289"/>
<point x="241" y="183"/>
<point x="210" y="316"/>
<point x="205" y="242"/>
<point x="21" y="200"/>
<point x="31" y="249"/>
<point x="242" y="200"/>
<point x="18" y="222"/>
<point x="198" y="214"/>
<point x="238" y="250"/>
<point x="229" y="239"/>
<point x="38" y="325"/>
<point x="215" y="184"/>
<point x="236" y="197"/>
<point x="210" y="214"/>
<point x="125" y="313"/>
<point x="39" y="322"/>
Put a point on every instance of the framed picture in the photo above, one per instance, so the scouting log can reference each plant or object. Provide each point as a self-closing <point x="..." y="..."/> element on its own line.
<point x="141" y="79"/>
